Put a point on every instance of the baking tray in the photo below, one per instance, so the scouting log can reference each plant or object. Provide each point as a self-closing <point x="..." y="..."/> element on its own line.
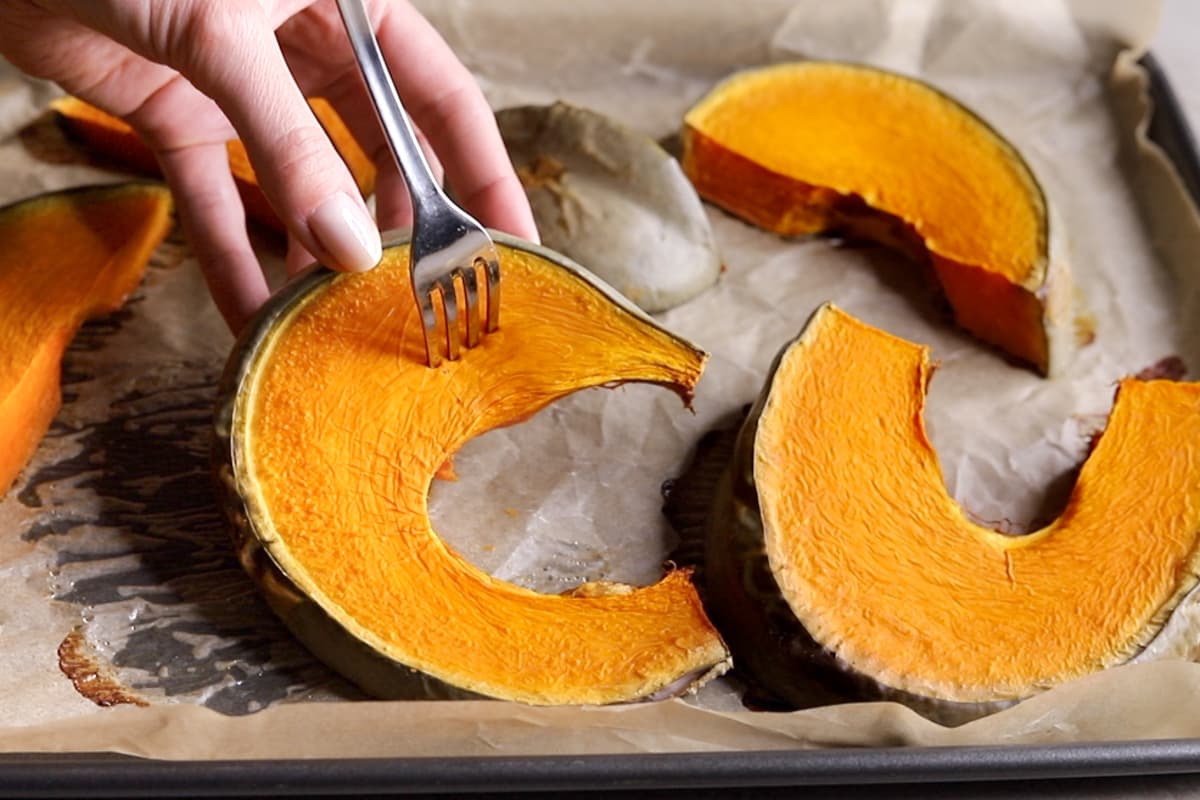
<point x="1019" y="770"/>
<point x="72" y="775"/>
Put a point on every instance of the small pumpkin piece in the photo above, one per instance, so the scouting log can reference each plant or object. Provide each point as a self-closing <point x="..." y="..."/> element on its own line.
<point x="612" y="198"/>
<point x="331" y="430"/>
<point x="113" y="138"/>
<point x="806" y="147"/>
<point x="896" y="587"/>
<point x="68" y="256"/>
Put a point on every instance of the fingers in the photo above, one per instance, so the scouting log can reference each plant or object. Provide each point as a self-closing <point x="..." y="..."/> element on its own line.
<point x="439" y="93"/>
<point x="393" y="208"/>
<point x="137" y="73"/>
<point x="229" y="52"/>
<point x="214" y="222"/>
<point x="446" y="103"/>
<point x="297" y="258"/>
<point x="348" y="96"/>
<point x="189" y="143"/>
<point x="336" y="78"/>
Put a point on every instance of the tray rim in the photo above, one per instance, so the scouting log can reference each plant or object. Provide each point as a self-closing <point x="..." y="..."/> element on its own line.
<point x="79" y="774"/>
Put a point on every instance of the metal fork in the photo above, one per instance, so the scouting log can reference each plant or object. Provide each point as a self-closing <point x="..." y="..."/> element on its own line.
<point x="449" y="247"/>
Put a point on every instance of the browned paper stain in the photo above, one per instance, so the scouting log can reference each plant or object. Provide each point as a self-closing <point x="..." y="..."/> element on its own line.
<point x="91" y="677"/>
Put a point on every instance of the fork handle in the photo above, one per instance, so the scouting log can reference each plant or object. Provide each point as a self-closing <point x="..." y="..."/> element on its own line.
<point x="398" y="130"/>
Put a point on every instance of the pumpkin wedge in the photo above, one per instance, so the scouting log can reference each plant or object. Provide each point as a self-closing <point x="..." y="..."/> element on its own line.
<point x="612" y="198"/>
<point x="801" y="148"/>
<point x="68" y="256"/>
<point x="114" y="139"/>
<point x="330" y="430"/>
<point x="868" y="568"/>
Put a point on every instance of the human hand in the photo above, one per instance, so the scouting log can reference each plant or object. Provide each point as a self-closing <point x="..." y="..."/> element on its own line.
<point x="189" y="75"/>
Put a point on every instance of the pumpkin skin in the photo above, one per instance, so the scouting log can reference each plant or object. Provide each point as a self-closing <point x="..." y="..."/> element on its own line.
<point x="112" y="138"/>
<point x="802" y="148"/>
<point x="69" y="256"/>
<point x="339" y="537"/>
<point x="865" y="575"/>
<point x="609" y="197"/>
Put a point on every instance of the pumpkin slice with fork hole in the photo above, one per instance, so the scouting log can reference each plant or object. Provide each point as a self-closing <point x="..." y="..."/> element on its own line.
<point x="331" y="430"/>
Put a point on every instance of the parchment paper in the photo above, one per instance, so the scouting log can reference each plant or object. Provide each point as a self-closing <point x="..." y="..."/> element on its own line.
<point x="112" y="544"/>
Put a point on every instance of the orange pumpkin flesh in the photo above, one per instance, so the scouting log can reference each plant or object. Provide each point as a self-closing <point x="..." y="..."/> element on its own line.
<point x="808" y="147"/>
<point x="113" y="138"/>
<point x="67" y="257"/>
<point x="883" y="570"/>
<point x="338" y="430"/>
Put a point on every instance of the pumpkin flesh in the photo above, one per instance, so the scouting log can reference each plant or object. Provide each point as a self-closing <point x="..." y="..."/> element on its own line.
<point x="809" y="147"/>
<point x="68" y="257"/>
<point x="343" y="429"/>
<point x="882" y="567"/>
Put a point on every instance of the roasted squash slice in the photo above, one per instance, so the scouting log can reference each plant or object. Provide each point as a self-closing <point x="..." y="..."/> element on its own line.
<point x="68" y="256"/>
<point x="331" y="430"/>
<point x="114" y="139"/>
<point x="806" y="147"/>
<point x="864" y="565"/>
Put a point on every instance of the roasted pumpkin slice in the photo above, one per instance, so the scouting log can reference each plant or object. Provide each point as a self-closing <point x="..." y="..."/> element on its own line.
<point x="68" y="256"/>
<point x="114" y="139"/>
<point x="868" y="568"/>
<point x="331" y="430"/>
<point x="806" y="147"/>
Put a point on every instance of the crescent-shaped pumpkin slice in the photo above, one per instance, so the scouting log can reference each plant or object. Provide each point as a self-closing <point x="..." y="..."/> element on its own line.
<point x="332" y="430"/>
<point x="114" y="139"/>
<point x="68" y="256"/>
<point x="805" y="147"/>
<point x="880" y="566"/>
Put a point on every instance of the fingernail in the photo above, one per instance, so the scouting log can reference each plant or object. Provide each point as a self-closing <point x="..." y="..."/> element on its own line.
<point x="347" y="233"/>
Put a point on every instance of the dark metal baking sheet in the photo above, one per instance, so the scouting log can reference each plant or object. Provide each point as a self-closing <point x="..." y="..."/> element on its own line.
<point x="101" y="775"/>
<point x="1083" y="769"/>
<point x="1169" y="128"/>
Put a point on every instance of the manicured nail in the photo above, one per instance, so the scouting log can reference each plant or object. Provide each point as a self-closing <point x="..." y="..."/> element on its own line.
<point x="346" y="232"/>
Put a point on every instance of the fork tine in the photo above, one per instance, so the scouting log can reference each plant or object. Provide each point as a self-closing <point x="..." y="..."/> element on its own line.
<point x="470" y="308"/>
<point x="491" y="268"/>
<point x="429" y="324"/>
<point x="449" y="302"/>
